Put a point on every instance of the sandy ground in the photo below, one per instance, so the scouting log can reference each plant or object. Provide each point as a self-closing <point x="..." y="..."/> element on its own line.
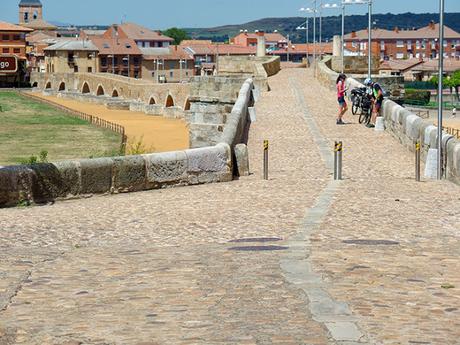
<point x="158" y="134"/>
<point x="448" y="119"/>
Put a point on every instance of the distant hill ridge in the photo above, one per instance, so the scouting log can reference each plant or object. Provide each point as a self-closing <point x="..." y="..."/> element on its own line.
<point x="331" y="25"/>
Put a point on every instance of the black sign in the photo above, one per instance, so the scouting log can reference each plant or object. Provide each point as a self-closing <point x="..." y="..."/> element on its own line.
<point x="8" y="64"/>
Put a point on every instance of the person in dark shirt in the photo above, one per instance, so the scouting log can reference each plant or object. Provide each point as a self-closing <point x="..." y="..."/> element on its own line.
<point x="377" y="97"/>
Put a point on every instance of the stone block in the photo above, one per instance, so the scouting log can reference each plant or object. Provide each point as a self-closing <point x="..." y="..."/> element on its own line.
<point x="242" y="159"/>
<point x="70" y="176"/>
<point x="96" y="175"/>
<point x="166" y="168"/>
<point x="129" y="174"/>
<point x="15" y="185"/>
<point x="429" y="134"/>
<point x="413" y="123"/>
<point x="48" y="183"/>
<point x="154" y="109"/>
<point x="207" y="159"/>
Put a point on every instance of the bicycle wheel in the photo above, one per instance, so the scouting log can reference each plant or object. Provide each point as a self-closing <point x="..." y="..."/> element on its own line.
<point x="362" y="117"/>
<point x="354" y="108"/>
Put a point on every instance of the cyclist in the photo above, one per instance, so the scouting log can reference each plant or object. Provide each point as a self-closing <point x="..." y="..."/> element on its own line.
<point x="377" y="96"/>
<point x="341" y="89"/>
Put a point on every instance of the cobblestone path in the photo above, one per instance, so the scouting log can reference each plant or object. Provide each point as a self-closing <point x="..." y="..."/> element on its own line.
<point x="163" y="267"/>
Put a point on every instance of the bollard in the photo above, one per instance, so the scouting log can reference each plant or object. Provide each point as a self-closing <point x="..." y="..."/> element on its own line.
<point x="417" y="161"/>
<point x="265" y="159"/>
<point x="339" y="160"/>
<point x="335" y="159"/>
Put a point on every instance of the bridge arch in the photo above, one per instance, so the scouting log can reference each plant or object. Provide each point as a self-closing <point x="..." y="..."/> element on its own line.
<point x="35" y="84"/>
<point x="115" y="93"/>
<point x="100" y="91"/>
<point x="85" y="88"/>
<point x="62" y="86"/>
<point x="48" y="85"/>
<point x="187" y="105"/>
<point x="152" y="100"/>
<point x="169" y="102"/>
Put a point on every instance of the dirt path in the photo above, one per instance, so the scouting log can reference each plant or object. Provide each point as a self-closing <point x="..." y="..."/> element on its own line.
<point x="159" y="134"/>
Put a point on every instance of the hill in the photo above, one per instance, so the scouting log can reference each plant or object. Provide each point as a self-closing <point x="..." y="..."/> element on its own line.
<point x="331" y="25"/>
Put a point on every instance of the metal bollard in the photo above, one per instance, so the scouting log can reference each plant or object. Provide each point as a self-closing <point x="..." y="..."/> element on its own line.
<point x="265" y="159"/>
<point x="417" y="161"/>
<point x="338" y="149"/>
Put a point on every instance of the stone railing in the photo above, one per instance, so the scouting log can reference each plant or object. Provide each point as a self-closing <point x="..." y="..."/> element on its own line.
<point x="407" y="127"/>
<point x="41" y="183"/>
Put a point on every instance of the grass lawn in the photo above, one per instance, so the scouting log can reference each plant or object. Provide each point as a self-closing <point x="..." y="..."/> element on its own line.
<point x="28" y="127"/>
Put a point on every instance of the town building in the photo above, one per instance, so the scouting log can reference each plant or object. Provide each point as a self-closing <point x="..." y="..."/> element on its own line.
<point x="418" y="69"/>
<point x="119" y="56"/>
<point x="273" y="40"/>
<point x="142" y="36"/>
<point x="299" y="52"/>
<point x="31" y="16"/>
<point x="167" y="65"/>
<point x="405" y="44"/>
<point x="205" y="53"/>
<point x="13" y="43"/>
<point x="71" y="56"/>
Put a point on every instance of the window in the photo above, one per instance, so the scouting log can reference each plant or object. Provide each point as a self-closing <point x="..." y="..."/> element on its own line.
<point x="17" y="50"/>
<point x="423" y="44"/>
<point x="172" y="64"/>
<point x="115" y="60"/>
<point x="433" y="44"/>
<point x="35" y="16"/>
<point x="90" y="70"/>
<point x="417" y="55"/>
<point x="104" y="61"/>
<point x="75" y="69"/>
<point x="186" y="74"/>
<point x="400" y="44"/>
<point x="6" y="50"/>
<point x="171" y="74"/>
<point x="16" y="37"/>
<point x="26" y="17"/>
<point x="417" y="44"/>
<point x="382" y="45"/>
<point x="136" y="61"/>
<point x="409" y="44"/>
<point x="6" y="37"/>
<point x="353" y="44"/>
<point x="445" y="43"/>
<point x="400" y="55"/>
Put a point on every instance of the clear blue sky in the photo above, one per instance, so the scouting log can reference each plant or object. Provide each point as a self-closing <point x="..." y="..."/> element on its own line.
<point x="197" y="13"/>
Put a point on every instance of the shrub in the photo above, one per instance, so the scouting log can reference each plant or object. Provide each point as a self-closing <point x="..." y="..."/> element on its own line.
<point x="421" y="97"/>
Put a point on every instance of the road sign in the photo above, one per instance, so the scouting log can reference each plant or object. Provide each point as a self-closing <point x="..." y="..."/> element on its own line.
<point x="8" y="64"/>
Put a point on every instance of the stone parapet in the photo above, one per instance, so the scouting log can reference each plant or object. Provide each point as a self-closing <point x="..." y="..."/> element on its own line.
<point x="41" y="183"/>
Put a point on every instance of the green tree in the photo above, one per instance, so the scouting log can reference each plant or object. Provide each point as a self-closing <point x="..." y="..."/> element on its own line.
<point x="178" y="34"/>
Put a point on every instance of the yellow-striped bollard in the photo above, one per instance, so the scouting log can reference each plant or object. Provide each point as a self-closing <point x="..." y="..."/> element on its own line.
<point x="265" y="159"/>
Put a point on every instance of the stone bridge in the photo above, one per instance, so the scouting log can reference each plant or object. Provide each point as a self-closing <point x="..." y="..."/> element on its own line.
<point x="114" y="86"/>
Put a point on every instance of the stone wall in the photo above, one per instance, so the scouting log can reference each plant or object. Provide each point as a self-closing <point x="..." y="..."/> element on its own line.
<point x="257" y="68"/>
<point x="407" y="127"/>
<point x="214" y="101"/>
<point x="41" y="183"/>
<point x="354" y="64"/>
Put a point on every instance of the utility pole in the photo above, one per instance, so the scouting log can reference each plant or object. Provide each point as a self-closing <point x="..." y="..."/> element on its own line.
<point x="440" y="85"/>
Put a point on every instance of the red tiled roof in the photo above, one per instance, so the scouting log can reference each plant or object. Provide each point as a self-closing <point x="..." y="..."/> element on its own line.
<point x="302" y="48"/>
<point x="4" y="26"/>
<point x="269" y="36"/>
<point x="138" y="33"/>
<point x="400" y="65"/>
<point x="427" y="32"/>
<point x="221" y="49"/>
<point x="450" y="65"/>
<point x="122" y="46"/>
<point x="175" y="53"/>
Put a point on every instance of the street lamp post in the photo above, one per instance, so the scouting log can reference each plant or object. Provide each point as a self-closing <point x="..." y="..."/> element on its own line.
<point x="306" y="40"/>
<point x="325" y="7"/>
<point x="440" y="86"/>
<point x="369" y="43"/>
<point x="343" y="37"/>
<point x="312" y="10"/>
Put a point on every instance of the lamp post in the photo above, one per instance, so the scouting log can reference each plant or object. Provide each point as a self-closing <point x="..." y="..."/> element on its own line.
<point x="312" y="10"/>
<point x="306" y="40"/>
<point x="369" y="28"/>
<point x="440" y="85"/>
<point x="325" y="7"/>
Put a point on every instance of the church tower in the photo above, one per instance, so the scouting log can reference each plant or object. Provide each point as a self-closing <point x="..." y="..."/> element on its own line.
<point x="30" y="10"/>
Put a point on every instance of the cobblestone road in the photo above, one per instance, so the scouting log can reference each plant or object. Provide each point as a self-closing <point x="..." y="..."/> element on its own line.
<point x="160" y="267"/>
